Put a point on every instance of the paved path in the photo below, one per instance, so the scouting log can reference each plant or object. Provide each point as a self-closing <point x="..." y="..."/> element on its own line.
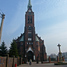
<point x="41" y="65"/>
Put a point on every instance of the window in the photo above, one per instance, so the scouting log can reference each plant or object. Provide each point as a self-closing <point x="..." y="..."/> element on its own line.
<point x="29" y="13"/>
<point x="21" y="43"/>
<point x="29" y="28"/>
<point x="27" y="42"/>
<point x="29" y="35"/>
<point x="29" y="39"/>
<point x="29" y="10"/>
<point x="29" y="32"/>
<point x="30" y="43"/>
<point x="29" y="19"/>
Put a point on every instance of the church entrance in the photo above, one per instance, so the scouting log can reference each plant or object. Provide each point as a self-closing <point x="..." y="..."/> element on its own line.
<point x="30" y="55"/>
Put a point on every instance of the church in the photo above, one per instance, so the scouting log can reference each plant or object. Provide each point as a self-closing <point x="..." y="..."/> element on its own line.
<point x="29" y="44"/>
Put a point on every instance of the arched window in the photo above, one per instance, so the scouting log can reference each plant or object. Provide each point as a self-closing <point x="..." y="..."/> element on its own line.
<point x="29" y="35"/>
<point x="29" y="28"/>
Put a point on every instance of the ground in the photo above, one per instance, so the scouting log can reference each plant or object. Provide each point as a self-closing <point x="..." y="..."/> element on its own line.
<point x="41" y="65"/>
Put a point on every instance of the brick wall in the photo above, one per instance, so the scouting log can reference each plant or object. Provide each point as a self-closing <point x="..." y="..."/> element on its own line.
<point x="2" y="61"/>
<point x="10" y="62"/>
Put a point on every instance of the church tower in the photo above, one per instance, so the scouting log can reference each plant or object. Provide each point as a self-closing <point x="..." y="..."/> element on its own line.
<point x="30" y="45"/>
<point x="29" y="26"/>
<point x="29" y="29"/>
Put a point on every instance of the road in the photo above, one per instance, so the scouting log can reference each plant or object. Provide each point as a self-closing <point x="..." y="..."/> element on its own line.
<point x="41" y="65"/>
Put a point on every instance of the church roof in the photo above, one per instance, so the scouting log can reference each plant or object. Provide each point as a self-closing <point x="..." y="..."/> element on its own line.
<point x="22" y="38"/>
<point x="29" y="4"/>
<point x="37" y="39"/>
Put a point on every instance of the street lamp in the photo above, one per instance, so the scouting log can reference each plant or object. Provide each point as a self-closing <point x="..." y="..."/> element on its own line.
<point x="1" y="25"/>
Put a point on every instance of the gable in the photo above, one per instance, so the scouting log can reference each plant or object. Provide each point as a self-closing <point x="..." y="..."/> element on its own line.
<point x="29" y="49"/>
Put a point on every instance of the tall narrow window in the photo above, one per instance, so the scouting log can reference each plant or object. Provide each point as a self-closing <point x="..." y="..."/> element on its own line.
<point x="29" y="19"/>
<point x="29" y="35"/>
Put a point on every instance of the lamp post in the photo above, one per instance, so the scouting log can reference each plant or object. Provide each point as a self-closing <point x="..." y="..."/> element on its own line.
<point x="1" y="26"/>
<point x="60" y="54"/>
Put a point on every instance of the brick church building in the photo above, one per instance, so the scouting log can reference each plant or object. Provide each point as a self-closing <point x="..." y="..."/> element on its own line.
<point x="29" y="44"/>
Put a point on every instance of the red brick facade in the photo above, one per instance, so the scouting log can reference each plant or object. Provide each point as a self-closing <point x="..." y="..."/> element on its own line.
<point x="30" y="45"/>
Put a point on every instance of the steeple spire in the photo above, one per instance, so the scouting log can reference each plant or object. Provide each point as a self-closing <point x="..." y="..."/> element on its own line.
<point x="29" y="5"/>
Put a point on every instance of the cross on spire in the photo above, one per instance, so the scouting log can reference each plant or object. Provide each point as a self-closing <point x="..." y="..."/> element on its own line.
<point x="29" y="4"/>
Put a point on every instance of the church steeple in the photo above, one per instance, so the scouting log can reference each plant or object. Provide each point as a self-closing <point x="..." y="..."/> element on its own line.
<point x="29" y="4"/>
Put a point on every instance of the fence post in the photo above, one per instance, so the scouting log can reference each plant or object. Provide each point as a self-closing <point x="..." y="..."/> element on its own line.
<point x="17" y="61"/>
<point x="57" y="59"/>
<point x="7" y="58"/>
<point x="13" y="61"/>
<point x="49" y="59"/>
<point x="63" y="59"/>
<point x="21" y="60"/>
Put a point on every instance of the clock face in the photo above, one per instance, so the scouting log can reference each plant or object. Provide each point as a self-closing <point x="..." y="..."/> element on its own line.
<point x="29" y="10"/>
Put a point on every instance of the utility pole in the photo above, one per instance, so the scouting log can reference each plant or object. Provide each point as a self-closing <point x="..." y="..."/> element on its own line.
<point x="1" y="25"/>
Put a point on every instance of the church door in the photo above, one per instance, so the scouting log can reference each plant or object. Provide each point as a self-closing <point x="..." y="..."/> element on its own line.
<point x="30" y="55"/>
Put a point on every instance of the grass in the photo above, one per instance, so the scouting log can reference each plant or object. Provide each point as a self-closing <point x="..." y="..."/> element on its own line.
<point x="60" y="63"/>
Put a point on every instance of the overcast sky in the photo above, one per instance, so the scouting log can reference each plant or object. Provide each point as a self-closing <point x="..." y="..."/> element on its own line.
<point x="50" y="21"/>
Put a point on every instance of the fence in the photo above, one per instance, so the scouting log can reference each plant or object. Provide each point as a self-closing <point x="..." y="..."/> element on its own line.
<point x="49" y="61"/>
<point x="10" y="62"/>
